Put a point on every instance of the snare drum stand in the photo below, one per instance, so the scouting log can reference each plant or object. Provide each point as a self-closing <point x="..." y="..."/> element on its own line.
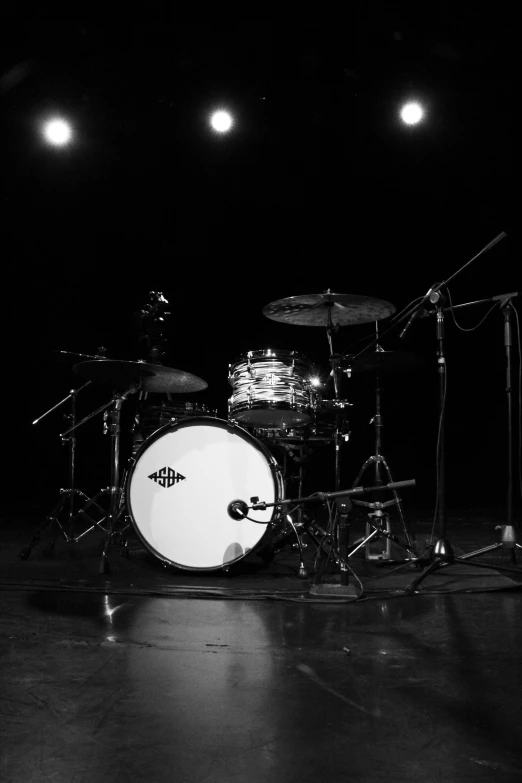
<point x="67" y="496"/>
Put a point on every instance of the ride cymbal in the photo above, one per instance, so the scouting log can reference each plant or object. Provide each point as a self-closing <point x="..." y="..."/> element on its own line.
<point x="313" y="309"/>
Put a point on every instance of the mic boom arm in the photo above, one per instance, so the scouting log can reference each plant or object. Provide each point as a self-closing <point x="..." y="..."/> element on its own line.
<point x="237" y="509"/>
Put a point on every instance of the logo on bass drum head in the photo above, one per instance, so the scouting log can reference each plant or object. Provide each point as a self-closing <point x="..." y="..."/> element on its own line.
<point x="166" y="477"/>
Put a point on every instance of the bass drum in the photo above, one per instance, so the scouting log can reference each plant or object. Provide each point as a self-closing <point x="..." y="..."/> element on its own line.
<point x="183" y="479"/>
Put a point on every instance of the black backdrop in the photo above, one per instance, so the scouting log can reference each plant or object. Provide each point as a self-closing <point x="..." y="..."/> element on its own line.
<point x="319" y="186"/>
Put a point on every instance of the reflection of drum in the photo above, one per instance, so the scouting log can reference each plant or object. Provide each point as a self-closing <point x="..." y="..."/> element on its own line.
<point x="271" y="389"/>
<point x="181" y="484"/>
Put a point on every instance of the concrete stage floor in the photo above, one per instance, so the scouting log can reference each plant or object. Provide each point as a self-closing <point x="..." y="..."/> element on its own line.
<point x="102" y="681"/>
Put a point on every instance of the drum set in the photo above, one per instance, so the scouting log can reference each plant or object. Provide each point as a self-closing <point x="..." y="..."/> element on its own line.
<point x="190" y="471"/>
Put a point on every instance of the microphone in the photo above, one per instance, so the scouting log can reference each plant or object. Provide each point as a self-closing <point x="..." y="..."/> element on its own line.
<point x="237" y="509"/>
<point x="411" y="319"/>
<point x="502" y="297"/>
<point x="498" y="298"/>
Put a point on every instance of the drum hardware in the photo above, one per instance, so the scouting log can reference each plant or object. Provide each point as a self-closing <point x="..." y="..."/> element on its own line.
<point x="338" y="406"/>
<point x="296" y="445"/>
<point x="330" y="311"/>
<point x="440" y="552"/>
<point x="508" y="537"/>
<point x="66" y="502"/>
<point x="114" y="491"/>
<point x="338" y="528"/>
<point x="133" y="377"/>
<point x="378" y="518"/>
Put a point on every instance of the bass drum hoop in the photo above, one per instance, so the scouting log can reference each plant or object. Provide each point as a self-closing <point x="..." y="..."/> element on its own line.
<point x="213" y="421"/>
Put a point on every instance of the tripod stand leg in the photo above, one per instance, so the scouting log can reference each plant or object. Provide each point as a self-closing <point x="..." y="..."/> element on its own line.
<point x="411" y="588"/>
<point x="398" y="502"/>
<point x="508" y="542"/>
<point x="46" y="524"/>
<point x="369" y="461"/>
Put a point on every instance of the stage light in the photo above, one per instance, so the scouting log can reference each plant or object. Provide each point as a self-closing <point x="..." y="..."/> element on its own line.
<point x="412" y="113"/>
<point x="315" y="380"/>
<point x="221" y="121"/>
<point x="57" y="132"/>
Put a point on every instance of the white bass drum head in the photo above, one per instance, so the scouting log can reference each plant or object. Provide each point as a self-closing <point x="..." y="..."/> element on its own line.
<point x="184" y="478"/>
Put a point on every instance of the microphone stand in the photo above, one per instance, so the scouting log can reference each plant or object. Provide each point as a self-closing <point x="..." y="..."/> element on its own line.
<point x="441" y="513"/>
<point x="508" y="538"/>
<point x="441" y="552"/>
<point x="417" y="307"/>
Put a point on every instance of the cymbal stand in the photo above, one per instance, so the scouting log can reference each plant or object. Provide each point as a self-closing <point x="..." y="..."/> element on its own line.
<point x="114" y="490"/>
<point x="67" y="496"/>
<point x="335" y="362"/>
<point x="378" y="518"/>
<point x="339" y="523"/>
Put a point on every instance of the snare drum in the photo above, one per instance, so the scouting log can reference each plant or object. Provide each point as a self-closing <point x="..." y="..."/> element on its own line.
<point x="271" y="388"/>
<point x="182" y="482"/>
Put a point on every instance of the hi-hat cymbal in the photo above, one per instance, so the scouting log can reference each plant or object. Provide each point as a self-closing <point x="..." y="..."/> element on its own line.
<point x="312" y="309"/>
<point x="151" y="377"/>
<point x="386" y="361"/>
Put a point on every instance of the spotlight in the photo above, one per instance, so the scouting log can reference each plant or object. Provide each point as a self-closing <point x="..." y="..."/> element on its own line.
<point x="57" y="132"/>
<point x="315" y="380"/>
<point x="412" y="113"/>
<point x="221" y="121"/>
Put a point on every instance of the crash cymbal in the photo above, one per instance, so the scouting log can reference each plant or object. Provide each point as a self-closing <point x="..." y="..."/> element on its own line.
<point x="151" y="377"/>
<point x="386" y="361"/>
<point x="312" y="309"/>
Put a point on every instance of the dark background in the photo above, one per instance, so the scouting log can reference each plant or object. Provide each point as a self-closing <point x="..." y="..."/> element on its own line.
<point x="319" y="186"/>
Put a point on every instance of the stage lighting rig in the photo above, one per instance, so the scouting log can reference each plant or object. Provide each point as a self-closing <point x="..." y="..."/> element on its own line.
<point x="412" y="113"/>
<point x="221" y="121"/>
<point x="57" y="132"/>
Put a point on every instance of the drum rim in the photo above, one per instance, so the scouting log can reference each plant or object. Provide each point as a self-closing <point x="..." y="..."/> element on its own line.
<point x="275" y="469"/>
<point x="262" y="405"/>
<point x="277" y="353"/>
